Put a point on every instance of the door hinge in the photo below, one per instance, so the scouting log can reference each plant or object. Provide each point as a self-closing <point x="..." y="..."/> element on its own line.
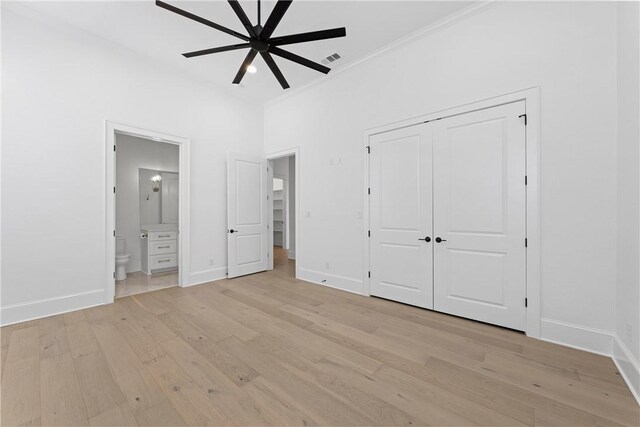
<point x="267" y="226"/>
<point x="114" y="233"/>
<point x="267" y="197"/>
<point x="114" y="148"/>
<point x="369" y="233"/>
<point x="368" y="149"/>
<point x="114" y="189"/>
<point x="525" y="180"/>
<point x="114" y="274"/>
<point x="525" y="118"/>
<point x="369" y="190"/>
<point x="526" y="242"/>
<point x="369" y="274"/>
<point x="526" y="302"/>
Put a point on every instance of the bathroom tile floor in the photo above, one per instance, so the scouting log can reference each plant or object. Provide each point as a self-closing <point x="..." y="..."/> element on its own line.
<point x="138" y="282"/>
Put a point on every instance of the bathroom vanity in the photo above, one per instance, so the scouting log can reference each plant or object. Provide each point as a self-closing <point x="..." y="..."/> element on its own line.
<point x="159" y="248"/>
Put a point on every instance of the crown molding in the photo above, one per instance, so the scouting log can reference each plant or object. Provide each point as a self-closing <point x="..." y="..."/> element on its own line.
<point x="424" y="32"/>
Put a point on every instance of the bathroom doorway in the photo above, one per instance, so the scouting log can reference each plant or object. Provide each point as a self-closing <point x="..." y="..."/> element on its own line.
<point x="283" y="213"/>
<point x="147" y="211"/>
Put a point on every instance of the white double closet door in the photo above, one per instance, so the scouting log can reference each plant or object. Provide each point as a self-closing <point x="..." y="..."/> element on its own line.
<point x="447" y="215"/>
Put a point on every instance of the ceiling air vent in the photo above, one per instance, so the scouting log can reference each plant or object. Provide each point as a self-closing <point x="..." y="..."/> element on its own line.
<point x="331" y="58"/>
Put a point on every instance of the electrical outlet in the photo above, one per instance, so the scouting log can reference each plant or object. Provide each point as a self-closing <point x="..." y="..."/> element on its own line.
<point x="307" y="214"/>
<point x="327" y="265"/>
<point x="210" y="261"/>
<point x="629" y="330"/>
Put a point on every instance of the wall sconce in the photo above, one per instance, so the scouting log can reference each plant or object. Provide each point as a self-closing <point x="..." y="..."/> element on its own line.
<point x="155" y="180"/>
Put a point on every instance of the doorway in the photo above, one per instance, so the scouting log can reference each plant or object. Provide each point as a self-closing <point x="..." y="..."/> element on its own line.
<point x="251" y="233"/>
<point x="448" y="215"/>
<point x="147" y="211"/>
<point x="283" y="171"/>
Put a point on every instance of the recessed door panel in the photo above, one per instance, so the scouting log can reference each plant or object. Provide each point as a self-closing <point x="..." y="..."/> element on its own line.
<point x="248" y="249"/>
<point x="477" y="181"/>
<point x="247" y="214"/>
<point x="249" y="181"/>
<point x="479" y="215"/>
<point x="400" y="214"/>
<point x="476" y="276"/>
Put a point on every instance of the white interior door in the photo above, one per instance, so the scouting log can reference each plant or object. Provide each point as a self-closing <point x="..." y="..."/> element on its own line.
<point x="401" y="216"/>
<point x="170" y="197"/>
<point x="247" y="219"/>
<point x="479" y="213"/>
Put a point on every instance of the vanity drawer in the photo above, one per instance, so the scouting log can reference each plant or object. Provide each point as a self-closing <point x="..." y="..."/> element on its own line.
<point x="163" y="261"/>
<point x="163" y="235"/>
<point x="163" y="247"/>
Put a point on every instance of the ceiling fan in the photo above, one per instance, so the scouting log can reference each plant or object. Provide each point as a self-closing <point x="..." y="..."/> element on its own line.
<point x="260" y="40"/>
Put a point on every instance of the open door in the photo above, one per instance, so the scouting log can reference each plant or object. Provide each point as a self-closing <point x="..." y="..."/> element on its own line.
<point x="247" y="237"/>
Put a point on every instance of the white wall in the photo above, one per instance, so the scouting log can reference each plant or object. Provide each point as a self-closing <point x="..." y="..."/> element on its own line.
<point x="132" y="155"/>
<point x="59" y="86"/>
<point x="569" y="51"/>
<point x="627" y="345"/>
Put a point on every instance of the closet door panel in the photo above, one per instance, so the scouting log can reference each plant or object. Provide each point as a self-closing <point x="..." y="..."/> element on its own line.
<point x="479" y="213"/>
<point x="400" y="216"/>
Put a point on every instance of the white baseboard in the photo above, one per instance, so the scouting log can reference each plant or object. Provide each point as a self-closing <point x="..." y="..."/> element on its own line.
<point x="628" y="366"/>
<point x="291" y="254"/>
<point x="49" y="307"/>
<point x="332" y="280"/>
<point x="577" y="336"/>
<point x="205" y="276"/>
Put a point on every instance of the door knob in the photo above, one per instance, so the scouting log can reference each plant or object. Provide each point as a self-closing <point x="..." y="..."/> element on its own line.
<point x="233" y="231"/>
<point x="438" y="239"/>
<point x="426" y="239"/>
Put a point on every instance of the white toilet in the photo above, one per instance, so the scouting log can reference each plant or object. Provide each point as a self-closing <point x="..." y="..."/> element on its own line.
<point x="122" y="258"/>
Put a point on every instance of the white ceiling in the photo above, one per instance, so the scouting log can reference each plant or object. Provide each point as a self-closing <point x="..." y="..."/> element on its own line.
<point x="163" y="35"/>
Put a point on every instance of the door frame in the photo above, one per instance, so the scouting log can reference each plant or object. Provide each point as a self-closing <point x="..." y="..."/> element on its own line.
<point x="531" y="96"/>
<point x="287" y="152"/>
<point x="112" y="128"/>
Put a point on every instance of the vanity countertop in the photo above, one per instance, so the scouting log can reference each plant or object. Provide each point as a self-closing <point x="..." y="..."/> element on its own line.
<point x="147" y="228"/>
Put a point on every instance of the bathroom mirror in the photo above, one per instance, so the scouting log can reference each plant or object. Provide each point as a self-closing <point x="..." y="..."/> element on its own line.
<point x="159" y="196"/>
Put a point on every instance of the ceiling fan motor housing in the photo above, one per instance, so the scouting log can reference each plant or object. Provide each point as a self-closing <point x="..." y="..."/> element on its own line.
<point x="259" y="45"/>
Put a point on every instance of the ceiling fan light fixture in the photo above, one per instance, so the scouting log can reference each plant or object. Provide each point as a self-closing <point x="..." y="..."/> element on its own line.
<point x="260" y="41"/>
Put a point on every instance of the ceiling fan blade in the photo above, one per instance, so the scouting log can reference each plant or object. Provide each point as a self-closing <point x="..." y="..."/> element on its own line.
<point x="274" y="69"/>
<point x="200" y="20"/>
<point x="245" y="65"/>
<point x="274" y="19"/>
<point x="308" y="37"/>
<point x="299" y="59"/>
<point x="235" y="5"/>
<point x="216" y="50"/>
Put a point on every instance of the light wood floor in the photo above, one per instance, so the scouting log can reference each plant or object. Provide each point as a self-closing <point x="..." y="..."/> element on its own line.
<point x="268" y="349"/>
